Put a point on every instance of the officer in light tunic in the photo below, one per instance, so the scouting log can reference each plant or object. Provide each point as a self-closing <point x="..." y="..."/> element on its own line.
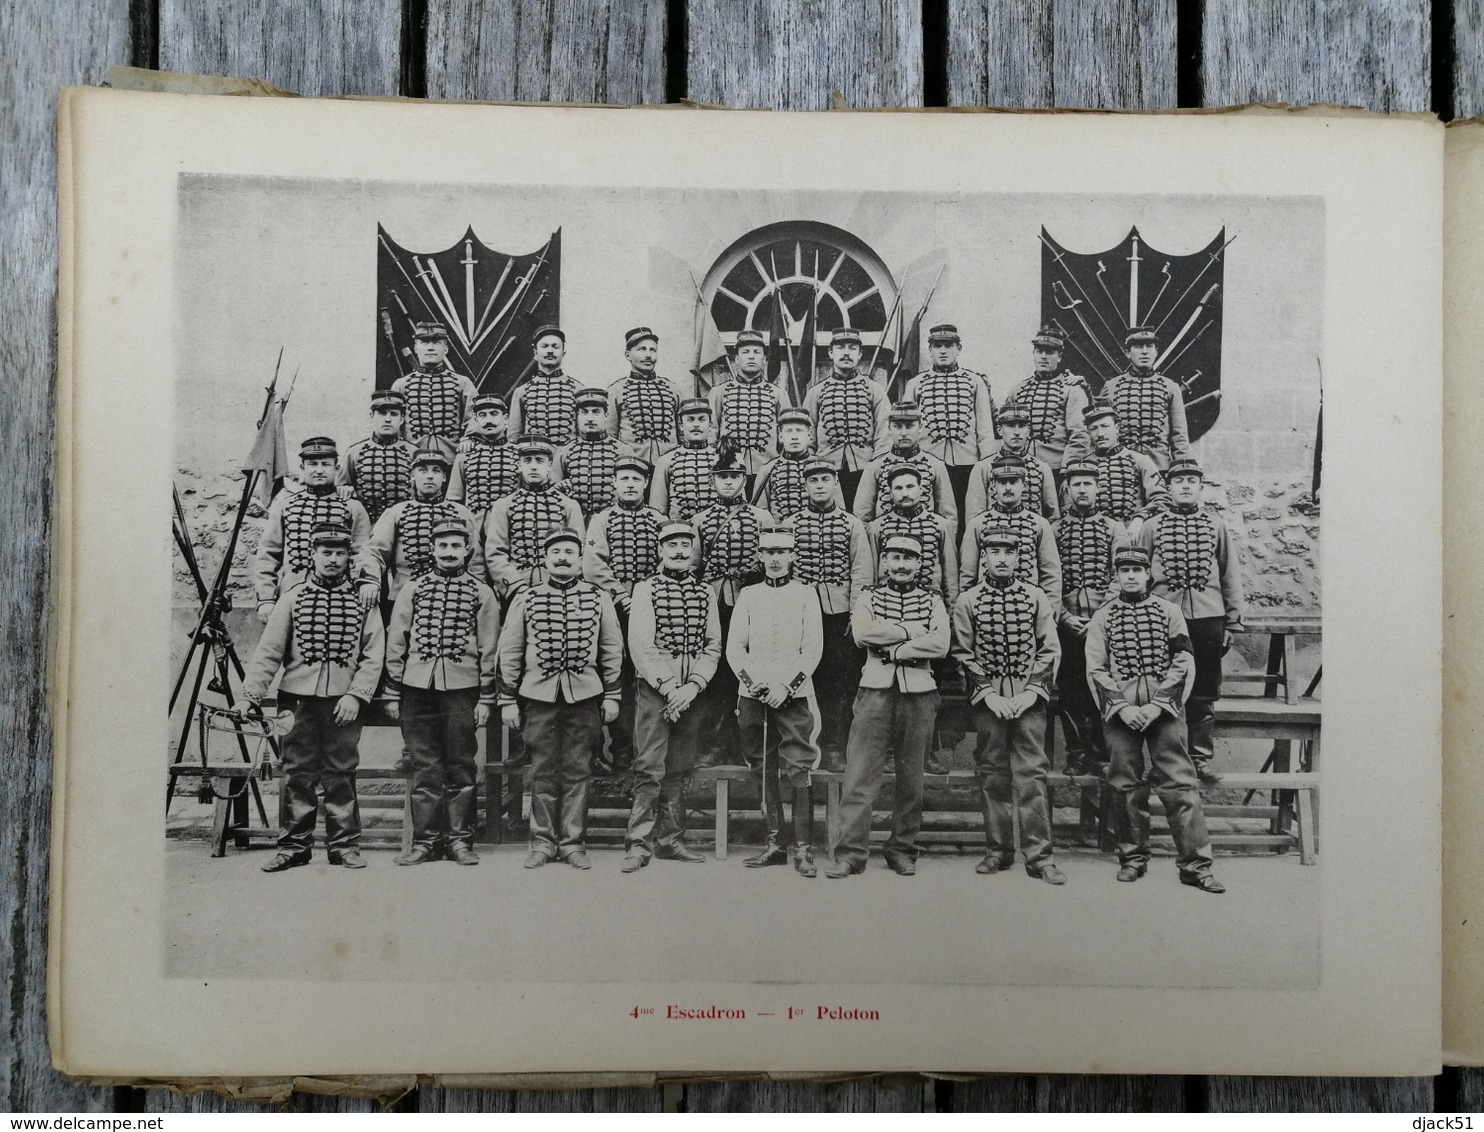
<point x="905" y="431"/>
<point x="958" y="410"/>
<point x="1038" y="563"/>
<point x="903" y="627"/>
<point x="774" y="648"/>
<point x="517" y="524"/>
<point x="682" y="477"/>
<point x="285" y="557"/>
<point x="644" y="405"/>
<point x="560" y="656"/>
<point x="486" y="466"/>
<point x="1085" y="541"/>
<point x="441" y="668"/>
<point x="1151" y="407"/>
<point x="675" y="641"/>
<point x="1140" y="668"/>
<point x="439" y="400"/>
<point x="584" y="469"/>
<point x="1004" y="634"/>
<point x="1040" y="480"/>
<point x="779" y="489"/>
<point x="546" y="404"/>
<point x="379" y="468"/>
<point x="330" y="650"/>
<point x="1055" y="400"/>
<point x="1130" y="487"/>
<point x="1195" y="566"/>
<point x="849" y="411"/>
<point x="746" y="409"/>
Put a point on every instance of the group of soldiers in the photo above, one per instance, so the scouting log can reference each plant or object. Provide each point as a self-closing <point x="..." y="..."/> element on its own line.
<point x="732" y="578"/>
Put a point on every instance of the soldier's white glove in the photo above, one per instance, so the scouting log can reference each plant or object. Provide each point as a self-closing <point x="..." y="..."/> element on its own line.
<point x="265" y="611"/>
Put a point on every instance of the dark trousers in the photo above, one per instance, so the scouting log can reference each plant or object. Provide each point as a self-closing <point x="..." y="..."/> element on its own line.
<point x="318" y="755"/>
<point x="1082" y="723"/>
<point x="1173" y="776"/>
<point x="621" y="730"/>
<point x="561" y="738"/>
<point x="885" y="720"/>
<point x="1012" y="761"/>
<point x="438" y="730"/>
<point x="664" y="756"/>
<point x="958" y="479"/>
<point x="849" y="481"/>
<point x="717" y="732"/>
<point x="1206" y="635"/>
<point x="780" y="744"/>
<point x="836" y="679"/>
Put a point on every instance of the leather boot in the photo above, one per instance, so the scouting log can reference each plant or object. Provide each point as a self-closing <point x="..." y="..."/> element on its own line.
<point x="804" y="832"/>
<point x="461" y="805"/>
<point x="773" y="854"/>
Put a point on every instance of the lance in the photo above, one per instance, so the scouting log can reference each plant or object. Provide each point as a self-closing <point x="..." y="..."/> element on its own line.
<point x="520" y="290"/>
<point x="1154" y="306"/>
<point x="469" y="261"/>
<point x="1113" y="303"/>
<point x="1194" y="338"/>
<point x="1212" y="258"/>
<point x="490" y="365"/>
<point x="885" y="329"/>
<point x="269" y="388"/>
<point x="402" y="268"/>
<point x="290" y="393"/>
<point x="917" y="318"/>
<point x="1191" y="321"/>
<point x="1133" y="284"/>
<point x="386" y="328"/>
<point x="494" y="294"/>
<point x="1074" y="305"/>
<point x="1060" y="256"/>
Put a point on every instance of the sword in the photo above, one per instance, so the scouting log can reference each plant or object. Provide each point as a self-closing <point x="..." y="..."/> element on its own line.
<point x="452" y="306"/>
<point x="1191" y="321"/>
<point x="1058" y="255"/>
<point x="499" y="286"/>
<point x="1074" y="306"/>
<point x="520" y="290"/>
<point x="386" y="327"/>
<point x="1194" y="338"/>
<point x="425" y="276"/>
<point x="402" y="268"/>
<point x="1212" y="258"/>
<point x="469" y="261"/>
<point x="1133" y="284"/>
<point x="1154" y="306"/>
<point x="536" y="302"/>
<point x="1103" y="284"/>
<point x="1203" y="397"/>
<point x="490" y="365"/>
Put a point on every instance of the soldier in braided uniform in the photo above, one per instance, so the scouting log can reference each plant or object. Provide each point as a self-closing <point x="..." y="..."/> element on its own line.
<point x="1004" y="634"/>
<point x="517" y="524"/>
<point x="909" y="515"/>
<point x="546" y="405"/>
<point x="682" y="477"/>
<point x="1055" y="400"/>
<point x="645" y="405"/>
<point x="1040" y="481"/>
<point x="441" y="665"/>
<point x="1038" y="563"/>
<point x="623" y="548"/>
<point x="849" y="411"/>
<point x="779" y="488"/>
<point x="774" y="648"/>
<point x="1151" y="407"/>
<point x="904" y="436"/>
<point x="1130" y="487"/>
<point x="439" y="400"/>
<point x="560" y="655"/>
<point x="958" y="410"/>
<point x="675" y="641"/>
<point x="1085" y="541"/>
<point x="379" y="469"/>
<point x="584" y="468"/>
<point x="746" y="408"/>
<point x="728" y="533"/>
<point x="903" y="627"/>
<point x="285" y="556"/>
<point x="485" y="467"/>
<point x="1140" y="668"/>
<point x="330" y="649"/>
<point x="1195" y="566"/>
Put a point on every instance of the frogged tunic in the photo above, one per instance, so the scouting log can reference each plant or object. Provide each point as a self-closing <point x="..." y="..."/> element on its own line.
<point x="832" y="553"/>
<point x="1192" y="564"/>
<point x="643" y="414"/>
<point x="326" y="644"/>
<point x="1085" y="545"/>
<point x="561" y="642"/>
<point x="1056" y="403"/>
<point x="1040" y="485"/>
<point x="958" y="416"/>
<point x="850" y="419"/>
<point x="747" y="412"/>
<point x="1151" y="415"/>
<point x="444" y="636"/>
<point x="622" y="547"/>
<point x="1138" y="652"/>
<point x="284" y="557"/>
<point x="939" y="569"/>
<point x="674" y="631"/>
<point x="1005" y="637"/>
<point x="513" y="531"/>
<point x="401" y="544"/>
<point x="1039" y="562"/>
<point x="902" y="631"/>
<point x="873" y="496"/>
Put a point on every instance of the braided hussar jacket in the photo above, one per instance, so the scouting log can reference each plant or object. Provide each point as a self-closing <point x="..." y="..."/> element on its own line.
<point x="513" y="531"/>
<point x="561" y="644"/>
<point x="1085" y="544"/>
<point x="547" y="405"/>
<point x="776" y="637"/>
<point x="682" y="481"/>
<point x="958" y="414"/>
<point x="780" y="486"/>
<point x="1193" y="564"/>
<point x="939" y="570"/>
<point x="1040" y="485"/>
<point x="284" y="557"/>
<point x="728" y="546"/>
<point x="482" y="471"/>
<point x="1039" y="562"/>
<point x="379" y="472"/>
<point x="850" y="419"/>
<point x="401" y="544"/>
<point x="902" y="631"/>
<point x="1056" y="403"/>
<point x="1138" y="652"/>
<point x="674" y="631"/>
<point x="443" y="637"/>
<point x="833" y="554"/>
<point x="326" y="644"/>
<point x="642" y="414"/>
<point x="584" y="470"/>
<point x="438" y="402"/>
<point x="1005" y="637"/>
<point x="1151" y="415"/>
<point x="747" y="412"/>
<point x="873" y="496"/>
<point x="1129" y="484"/>
<point x="623" y="547"/>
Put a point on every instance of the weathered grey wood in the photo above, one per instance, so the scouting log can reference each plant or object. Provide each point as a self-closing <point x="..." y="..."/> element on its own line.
<point x="1320" y="1094"/>
<point x="1468" y="58"/>
<point x="1470" y="1090"/>
<point x="1374" y="54"/>
<point x="45" y="46"/>
<point x="1041" y="53"/>
<point x="790" y="56"/>
<point x="432" y="1099"/>
<point x="787" y="1096"/>
<point x="310" y="47"/>
<point x="547" y="50"/>
<point x="162" y="1100"/>
<point x="1070" y="1093"/>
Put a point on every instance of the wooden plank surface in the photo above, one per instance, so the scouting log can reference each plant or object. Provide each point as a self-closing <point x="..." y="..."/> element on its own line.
<point x="1467" y="27"/>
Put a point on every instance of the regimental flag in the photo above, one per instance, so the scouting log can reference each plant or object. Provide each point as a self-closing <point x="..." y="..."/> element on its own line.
<point x="490" y="302"/>
<point x="269" y="454"/>
<point x="1095" y="298"/>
